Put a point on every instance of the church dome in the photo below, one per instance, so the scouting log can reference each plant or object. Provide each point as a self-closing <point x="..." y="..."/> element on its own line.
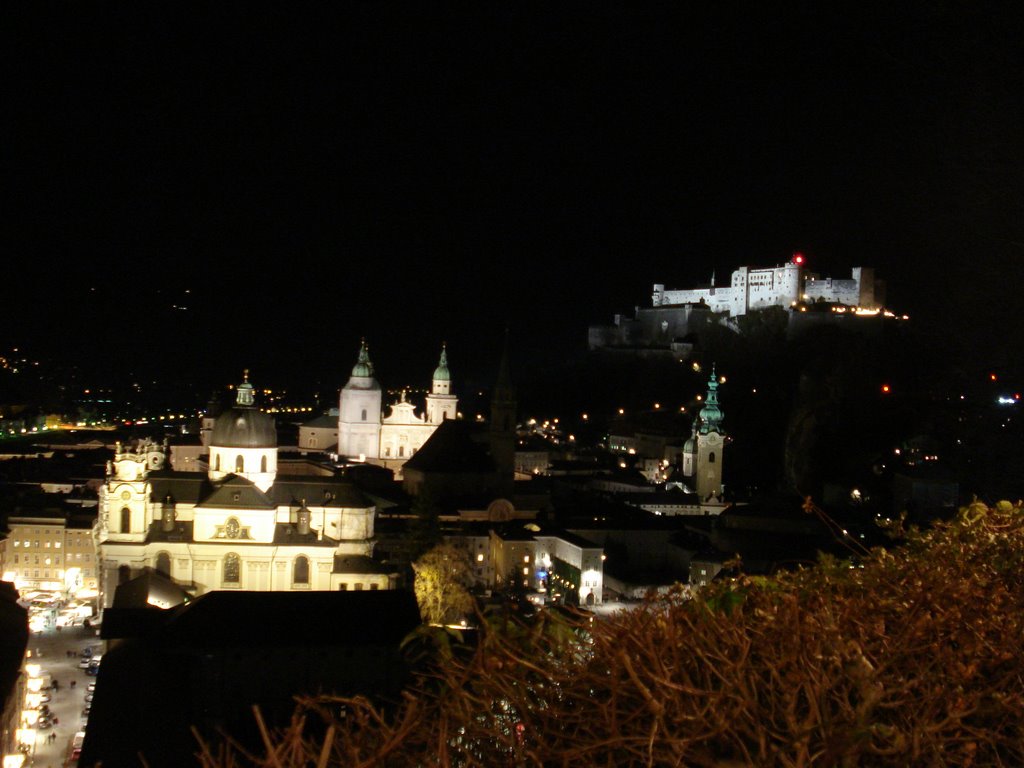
<point x="362" y="372"/>
<point x="441" y="372"/>
<point x="363" y="367"/>
<point x="244" y="426"/>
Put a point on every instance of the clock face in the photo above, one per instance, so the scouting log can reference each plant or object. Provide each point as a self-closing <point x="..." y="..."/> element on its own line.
<point x="126" y="495"/>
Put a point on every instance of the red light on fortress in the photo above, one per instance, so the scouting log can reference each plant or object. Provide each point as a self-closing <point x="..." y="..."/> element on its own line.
<point x="798" y="258"/>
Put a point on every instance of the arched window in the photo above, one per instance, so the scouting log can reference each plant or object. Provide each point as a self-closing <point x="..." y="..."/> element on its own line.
<point x="163" y="563"/>
<point x="216" y="463"/>
<point x="239" y="463"/>
<point x="300" y="572"/>
<point x="263" y="464"/>
<point x="364" y="414"/>
<point x="711" y="458"/>
<point x="232" y="568"/>
<point x="126" y="520"/>
<point x="124" y="573"/>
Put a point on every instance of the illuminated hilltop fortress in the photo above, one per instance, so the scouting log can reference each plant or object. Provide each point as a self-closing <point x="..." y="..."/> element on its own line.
<point x="789" y="286"/>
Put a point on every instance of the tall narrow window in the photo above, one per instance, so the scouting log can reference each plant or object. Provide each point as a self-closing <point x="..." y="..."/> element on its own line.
<point x="300" y="573"/>
<point x="364" y="414"/>
<point x="216" y="463"/>
<point x="263" y="464"/>
<point x="123" y="573"/>
<point x="239" y="464"/>
<point x="126" y="520"/>
<point x="232" y="568"/>
<point x="711" y="458"/>
<point x="163" y="563"/>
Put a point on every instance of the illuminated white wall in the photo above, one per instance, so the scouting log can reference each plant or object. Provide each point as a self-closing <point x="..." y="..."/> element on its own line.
<point x="775" y="286"/>
<point x="224" y="462"/>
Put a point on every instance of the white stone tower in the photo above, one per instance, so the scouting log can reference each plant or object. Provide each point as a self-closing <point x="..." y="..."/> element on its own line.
<point x="359" y="411"/>
<point x="710" y="444"/>
<point x="441" y="403"/>
<point x="124" y="512"/>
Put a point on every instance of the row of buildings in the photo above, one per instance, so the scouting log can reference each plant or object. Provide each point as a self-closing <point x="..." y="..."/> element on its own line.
<point x="236" y="512"/>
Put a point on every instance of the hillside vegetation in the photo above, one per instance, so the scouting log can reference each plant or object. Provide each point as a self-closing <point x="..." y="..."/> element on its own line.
<point x="910" y="656"/>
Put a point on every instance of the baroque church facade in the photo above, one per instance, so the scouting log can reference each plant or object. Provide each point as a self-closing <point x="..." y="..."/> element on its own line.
<point x="241" y="524"/>
<point x="366" y="433"/>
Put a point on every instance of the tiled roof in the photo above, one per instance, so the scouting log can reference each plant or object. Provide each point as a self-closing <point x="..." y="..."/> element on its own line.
<point x="455" y="447"/>
<point x="238" y="493"/>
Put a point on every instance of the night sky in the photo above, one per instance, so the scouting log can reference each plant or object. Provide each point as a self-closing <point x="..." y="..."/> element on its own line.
<point x="415" y="175"/>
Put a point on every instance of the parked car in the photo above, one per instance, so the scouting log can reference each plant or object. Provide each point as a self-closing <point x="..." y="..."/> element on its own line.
<point x="93" y="669"/>
<point x="88" y="697"/>
<point x="91" y="688"/>
<point x="43" y="723"/>
<point x="86" y="709"/>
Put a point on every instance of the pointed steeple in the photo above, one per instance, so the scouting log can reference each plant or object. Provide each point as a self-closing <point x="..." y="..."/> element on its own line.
<point x="441" y="403"/>
<point x="503" y="424"/>
<point x="363" y="367"/>
<point x="711" y="415"/>
<point x="441" y="373"/>
<point x="503" y="389"/>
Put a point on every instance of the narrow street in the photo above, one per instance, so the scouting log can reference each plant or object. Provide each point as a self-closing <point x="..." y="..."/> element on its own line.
<point x="50" y="650"/>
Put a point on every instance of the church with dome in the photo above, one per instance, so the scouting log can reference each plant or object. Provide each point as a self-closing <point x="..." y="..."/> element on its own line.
<point x="241" y="524"/>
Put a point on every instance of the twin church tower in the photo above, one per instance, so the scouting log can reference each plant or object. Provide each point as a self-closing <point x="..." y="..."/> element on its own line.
<point x="363" y="430"/>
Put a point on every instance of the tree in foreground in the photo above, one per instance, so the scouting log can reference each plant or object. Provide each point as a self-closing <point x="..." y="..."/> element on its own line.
<point x="441" y="575"/>
<point x="907" y="656"/>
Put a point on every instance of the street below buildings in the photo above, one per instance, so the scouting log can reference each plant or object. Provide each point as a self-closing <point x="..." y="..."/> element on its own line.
<point x="58" y="654"/>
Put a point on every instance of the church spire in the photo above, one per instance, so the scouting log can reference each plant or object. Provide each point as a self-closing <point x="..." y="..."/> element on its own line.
<point x="441" y="373"/>
<point x="711" y="415"/>
<point x="503" y="389"/>
<point x="363" y="366"/>
<point x="503" y="423"/>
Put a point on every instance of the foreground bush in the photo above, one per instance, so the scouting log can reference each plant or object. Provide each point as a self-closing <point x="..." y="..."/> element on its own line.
<point x="911" y="657"/>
